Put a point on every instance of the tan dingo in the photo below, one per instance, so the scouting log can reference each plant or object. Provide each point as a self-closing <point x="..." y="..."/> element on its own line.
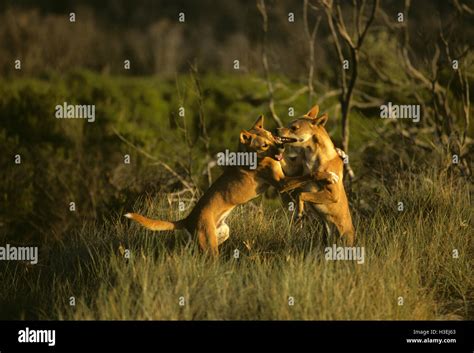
<point x="321" y="160"/>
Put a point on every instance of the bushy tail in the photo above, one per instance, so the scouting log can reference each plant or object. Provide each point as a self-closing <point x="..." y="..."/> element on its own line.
<point x="155" y="224"/>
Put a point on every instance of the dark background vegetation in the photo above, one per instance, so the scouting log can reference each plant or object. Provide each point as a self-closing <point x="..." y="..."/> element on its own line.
<point x="215" y="33"/>
<point x="191" y="65"/>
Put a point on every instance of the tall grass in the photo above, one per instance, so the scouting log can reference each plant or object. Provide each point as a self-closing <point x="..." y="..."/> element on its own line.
<point x="408" y="254"/>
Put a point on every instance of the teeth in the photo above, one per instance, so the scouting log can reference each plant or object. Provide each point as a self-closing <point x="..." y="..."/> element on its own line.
<point x="280" y="139"/>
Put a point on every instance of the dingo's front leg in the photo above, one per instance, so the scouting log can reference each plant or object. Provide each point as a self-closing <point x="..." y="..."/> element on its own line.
<point x="329" y="177"/>
<point x="327" y="195"/>
<point x="291" y="183"/>
<point x="318" y="197"/>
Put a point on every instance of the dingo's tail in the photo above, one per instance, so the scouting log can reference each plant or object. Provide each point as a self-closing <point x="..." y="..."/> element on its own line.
<point x="155" y="224"/>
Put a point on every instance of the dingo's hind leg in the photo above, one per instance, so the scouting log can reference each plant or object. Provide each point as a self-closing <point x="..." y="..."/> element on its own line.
<point x="207" y="236"/>
<point x="328" y="233"/>
<point x="222" y="233"/>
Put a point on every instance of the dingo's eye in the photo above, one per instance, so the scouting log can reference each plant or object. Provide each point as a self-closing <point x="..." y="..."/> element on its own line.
<point x="294" y="128"/>
<point x="265" y="146"/>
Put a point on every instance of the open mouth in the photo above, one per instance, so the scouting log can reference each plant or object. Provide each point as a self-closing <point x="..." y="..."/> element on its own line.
<point x="282" y="140"/>
<point x="279" y="157"/>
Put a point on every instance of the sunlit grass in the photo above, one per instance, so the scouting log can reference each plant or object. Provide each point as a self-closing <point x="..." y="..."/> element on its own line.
<point x="408" y="258"/>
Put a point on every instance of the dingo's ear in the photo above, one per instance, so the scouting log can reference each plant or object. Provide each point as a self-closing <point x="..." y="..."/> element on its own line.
<point x="259" y="123"/>
<point x="245" y="137"/>
<point x="320" y="121"/>
<point x="313" y="113"/>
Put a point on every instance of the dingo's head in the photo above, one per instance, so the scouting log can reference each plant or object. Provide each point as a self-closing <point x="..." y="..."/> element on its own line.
<point x="307" y="130"/>
<point x="262" y="141"/>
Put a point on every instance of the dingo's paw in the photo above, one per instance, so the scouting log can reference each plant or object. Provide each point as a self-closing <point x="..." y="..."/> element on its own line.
<point x="341" y="153"/>
<point x="333" y="178"/>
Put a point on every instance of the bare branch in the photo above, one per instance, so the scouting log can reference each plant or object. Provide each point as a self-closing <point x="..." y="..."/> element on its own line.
<point x="463" y="7"/>
<point x="375" y="6"/>
<point x="347" y="85"/>
<point x="295" y="95"/>
<point x="153" y="158"/>
<point x="271" y="104"/>
<point x="310" y="37"/>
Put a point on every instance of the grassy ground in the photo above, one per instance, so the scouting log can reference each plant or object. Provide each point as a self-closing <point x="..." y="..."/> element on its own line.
<point x="408" y="254"/>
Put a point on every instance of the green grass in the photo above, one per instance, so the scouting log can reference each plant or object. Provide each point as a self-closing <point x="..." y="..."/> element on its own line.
<point x="407" y="254"/>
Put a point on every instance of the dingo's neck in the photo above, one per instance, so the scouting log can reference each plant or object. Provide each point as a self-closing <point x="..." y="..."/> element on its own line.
<point x="317" y="154"/>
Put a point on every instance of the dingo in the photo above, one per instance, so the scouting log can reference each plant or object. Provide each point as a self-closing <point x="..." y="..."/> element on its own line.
<point x="321" y="160"/>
